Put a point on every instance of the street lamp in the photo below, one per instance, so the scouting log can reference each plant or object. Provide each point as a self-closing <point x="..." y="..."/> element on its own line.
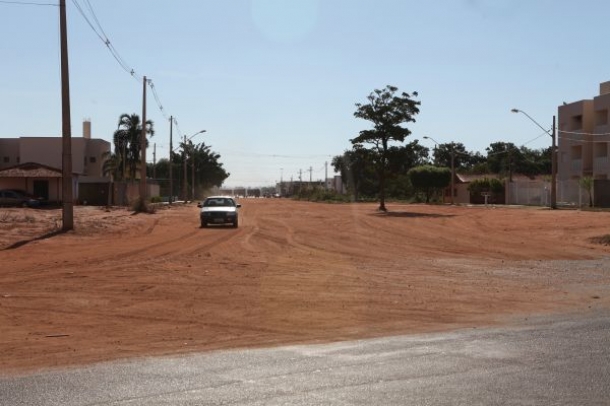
<point x="452" y="164"/>
<point x="193" y="166"/>
<point x="553" y="156"/>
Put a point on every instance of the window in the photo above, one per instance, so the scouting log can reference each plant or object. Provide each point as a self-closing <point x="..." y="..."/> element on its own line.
<point x="6" y="159"/>
<point x="18" y="159"/>
<point x="601" y="117"/>
<point x="92" y="159"/>
<point x="576" y="123"/>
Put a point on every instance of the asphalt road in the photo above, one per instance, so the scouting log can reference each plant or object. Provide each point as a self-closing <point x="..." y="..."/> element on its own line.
<point x="559" y="361"/>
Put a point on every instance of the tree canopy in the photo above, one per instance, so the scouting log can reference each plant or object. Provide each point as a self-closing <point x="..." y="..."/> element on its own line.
<point x="387" y="112"/>
<point x="429" y="180"/>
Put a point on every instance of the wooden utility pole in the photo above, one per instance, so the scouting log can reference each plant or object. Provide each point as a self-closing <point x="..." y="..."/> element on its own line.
<point x="66" y="133"/>
<point x="452" y="172"/>
<point x="171" y="164"/>
<point x="192" y="174"/>
<point x="184" y="163"/>
<point x="553" y="169"/>
<point x="155" y="160"/>
<point x="143" y="146"/>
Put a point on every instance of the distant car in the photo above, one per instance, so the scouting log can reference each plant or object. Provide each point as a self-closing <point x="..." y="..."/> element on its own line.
<point x="14" y="198"/>
<point x="219" y="210"/>
<point x="41" y="200"/>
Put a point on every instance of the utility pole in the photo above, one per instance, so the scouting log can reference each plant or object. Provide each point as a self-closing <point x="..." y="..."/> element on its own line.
<point x="143" y="146"/>
<point x="300" y="180"/>
<point x="66" y="133"/>
<point x="184" y="169"/>
<point x="310" y="175"/>
<point x="281" y="182"/>
<point x="326" y="175"/>
<point x="553" y="169"/>
<point x="553" y="156"/>
<point x="155" y="160"/>
<point x="510" y="175"/>
<point x="171" y="163"/>
<point x="192" y="174"/>
<point x="452" y="171"/>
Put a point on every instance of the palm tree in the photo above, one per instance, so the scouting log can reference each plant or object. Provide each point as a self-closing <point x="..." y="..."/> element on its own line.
<point x="112" y="165"/>
<point x="127" y="143"/>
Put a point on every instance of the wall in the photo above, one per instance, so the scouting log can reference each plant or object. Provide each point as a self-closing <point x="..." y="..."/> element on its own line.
<point x="9" y="149"/>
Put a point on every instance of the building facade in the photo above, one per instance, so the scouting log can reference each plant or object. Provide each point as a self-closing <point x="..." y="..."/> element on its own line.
<point x="583" y="147"/>
<point x="88" y="156"/>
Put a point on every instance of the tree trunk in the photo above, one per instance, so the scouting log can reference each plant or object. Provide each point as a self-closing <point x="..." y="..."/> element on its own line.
<point x="382" y="177"/>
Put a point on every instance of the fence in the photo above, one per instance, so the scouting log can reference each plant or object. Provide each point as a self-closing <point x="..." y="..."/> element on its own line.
<point x="569" y="193"/>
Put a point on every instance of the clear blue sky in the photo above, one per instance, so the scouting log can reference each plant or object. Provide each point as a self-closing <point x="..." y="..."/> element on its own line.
<point x="274" y="82"/>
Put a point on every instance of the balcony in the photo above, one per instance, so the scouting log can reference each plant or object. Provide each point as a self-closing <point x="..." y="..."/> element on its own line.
<point x="601" y="165"/>
<point x="576" y="166"/>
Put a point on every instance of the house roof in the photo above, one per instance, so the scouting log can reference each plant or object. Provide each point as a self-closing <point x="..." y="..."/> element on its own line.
<point x="30" y="170"/>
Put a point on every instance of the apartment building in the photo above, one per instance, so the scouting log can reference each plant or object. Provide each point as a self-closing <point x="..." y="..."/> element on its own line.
<point x="583" y="140"/>
<point x="34" y="164"/>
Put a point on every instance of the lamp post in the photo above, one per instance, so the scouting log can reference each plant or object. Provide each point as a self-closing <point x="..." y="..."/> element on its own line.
<point x="184" y="193"/>
<point x="452" y="164"/>
<point x="553" y="156"/>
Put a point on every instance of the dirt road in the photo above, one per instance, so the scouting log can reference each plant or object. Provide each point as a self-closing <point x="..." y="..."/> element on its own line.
<point x="125" y="286"/>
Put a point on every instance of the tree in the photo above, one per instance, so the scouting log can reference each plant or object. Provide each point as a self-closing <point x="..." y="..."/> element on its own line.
<point x="429" y="179"/>
<point x="208" y="168"/>
<point x="111" y="165"/>
<point x="505" y="158"/>
<point x="587" y="183"/>
<point x="355" y="169"/>
<point x="493" y="186"/>
<point x="464" y="160"/>
<point x="387" y="111"/>
<point x="127" y="143"/>
<point x="500" y="156"/>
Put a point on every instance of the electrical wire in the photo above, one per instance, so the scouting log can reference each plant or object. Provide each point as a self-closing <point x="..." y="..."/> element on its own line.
<point x="97" y="28"/>
<point x="584" y="141"/>
<point x="581" y="133"/>
<point x="28" y="3"/>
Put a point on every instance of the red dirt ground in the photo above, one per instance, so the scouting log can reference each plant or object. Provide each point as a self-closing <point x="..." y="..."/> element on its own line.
<point x="125" y="285"/>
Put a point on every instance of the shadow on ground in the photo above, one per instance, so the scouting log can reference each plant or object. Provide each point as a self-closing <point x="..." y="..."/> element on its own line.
<point x="41" y="237"/>
<point x="409" y="214"/>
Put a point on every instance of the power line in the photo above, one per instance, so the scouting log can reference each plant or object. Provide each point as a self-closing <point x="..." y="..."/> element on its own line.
<point x="97" y="28"/>
<point x="28" y="3"/>
<point x="585" y="141"/>
<point x="581" y="133"/>
<point x="99" y="31"/>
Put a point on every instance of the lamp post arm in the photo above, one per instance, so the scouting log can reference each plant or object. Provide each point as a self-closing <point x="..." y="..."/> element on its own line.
<point x="532" y="120"/>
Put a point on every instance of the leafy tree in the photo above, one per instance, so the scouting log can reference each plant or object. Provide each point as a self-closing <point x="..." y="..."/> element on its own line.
<point x="127" y="148"/>
<point x="355" y="167"/>
<point x="587" y="183"/>
<point x="464" y="160"/>
<point x="387" y="112"/>
<point x="208" y="168"/>
<point x="403" y="158"/>
<point x="429" y="179"/>
<point x="505" y="158"/>
<point x="489" y="185"/>
<point x="499" y="158"/>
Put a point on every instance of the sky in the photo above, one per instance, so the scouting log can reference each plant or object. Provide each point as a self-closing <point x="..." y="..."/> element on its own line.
<point x="274" y="82"/>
